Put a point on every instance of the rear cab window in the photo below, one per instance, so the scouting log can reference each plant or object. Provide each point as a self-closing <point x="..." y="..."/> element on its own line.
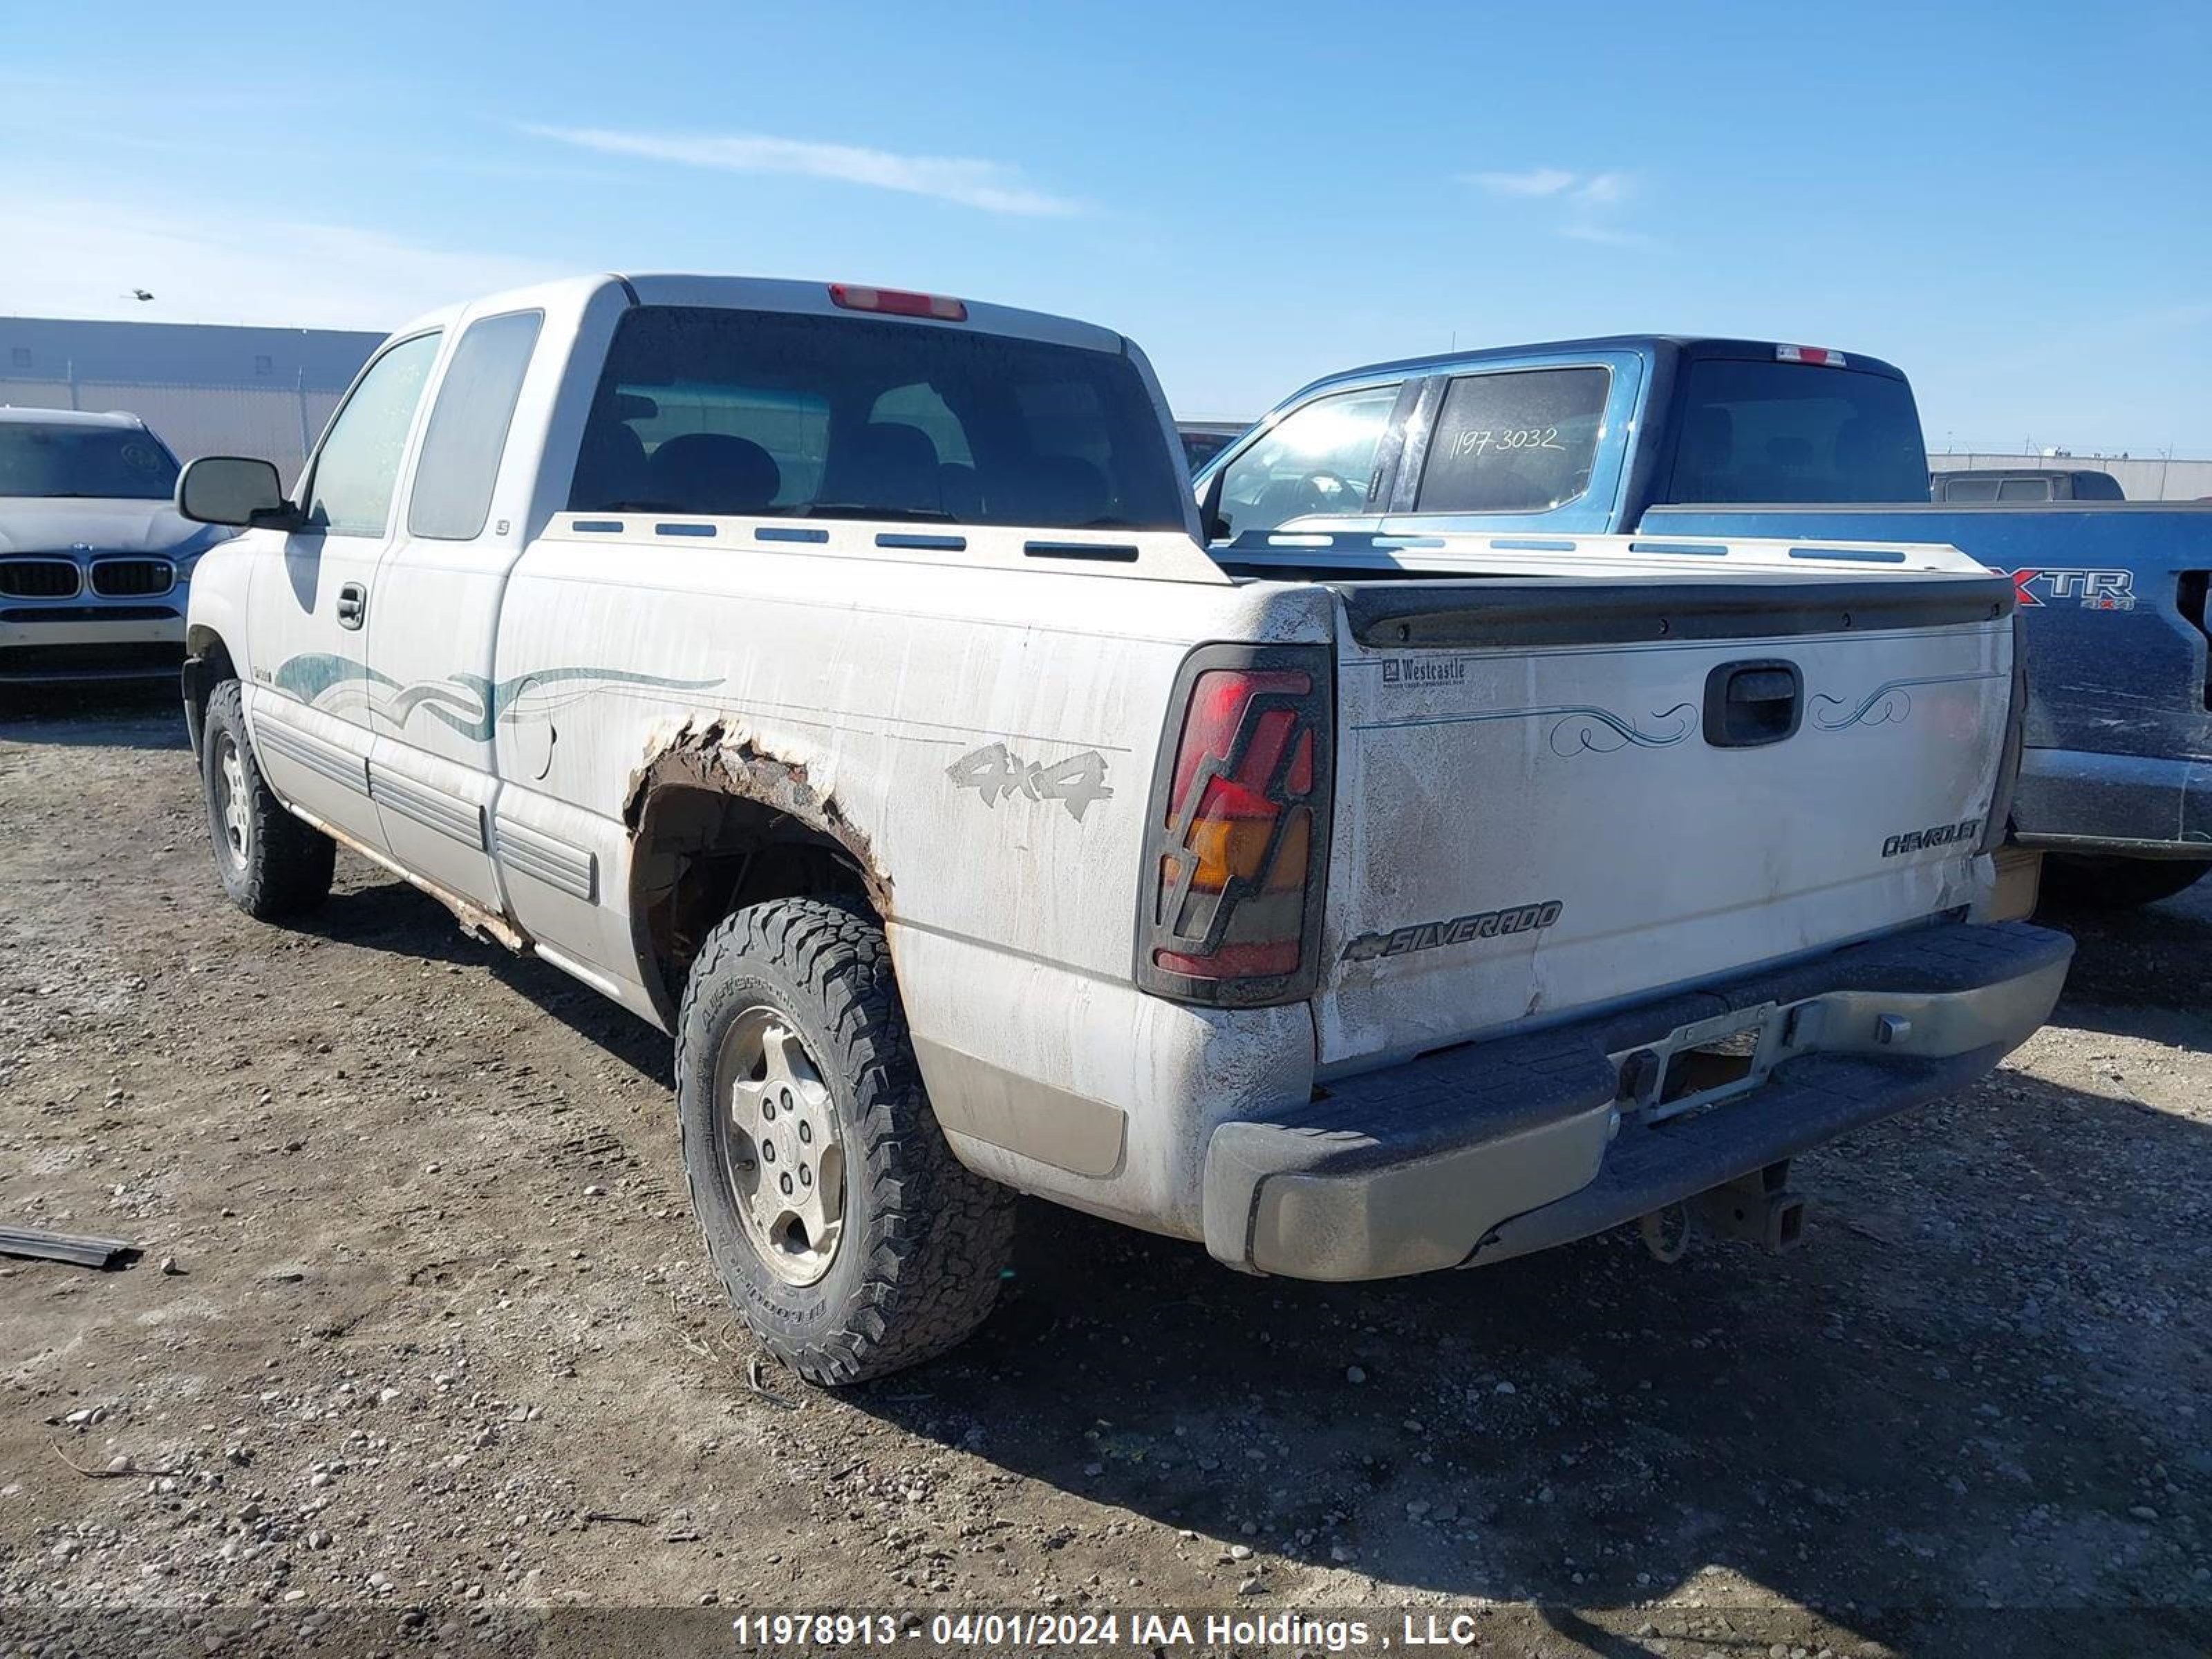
<point x="711" y="411"/>
<point x="1970" y="489"/>
<point x="1753" y="430"/>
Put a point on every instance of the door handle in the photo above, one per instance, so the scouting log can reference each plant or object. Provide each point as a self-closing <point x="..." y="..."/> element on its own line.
<point x="353" y="605"/>
<point x="1751" y="703"/>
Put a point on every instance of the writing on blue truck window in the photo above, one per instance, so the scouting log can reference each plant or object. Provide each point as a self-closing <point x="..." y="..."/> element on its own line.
<point x="2091" y="590"/>
<point x="1484" y="442"/>
<point x="1516" y="440"/>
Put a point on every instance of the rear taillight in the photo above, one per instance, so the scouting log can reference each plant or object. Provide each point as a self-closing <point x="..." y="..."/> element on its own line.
<point x="1239" y="834"/>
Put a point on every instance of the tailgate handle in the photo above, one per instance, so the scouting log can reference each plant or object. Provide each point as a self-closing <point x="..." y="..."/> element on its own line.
<point x="1751" y="703"/>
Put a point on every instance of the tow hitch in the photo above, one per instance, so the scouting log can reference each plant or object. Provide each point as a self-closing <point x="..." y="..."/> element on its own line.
<point x="1759" y="1208"/>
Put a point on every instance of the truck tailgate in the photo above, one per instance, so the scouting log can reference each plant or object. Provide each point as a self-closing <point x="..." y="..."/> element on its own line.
<point x="1555" y="794"/>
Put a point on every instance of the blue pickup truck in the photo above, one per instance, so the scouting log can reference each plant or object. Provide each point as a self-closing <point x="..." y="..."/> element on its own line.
<point x="1682" y="437"/>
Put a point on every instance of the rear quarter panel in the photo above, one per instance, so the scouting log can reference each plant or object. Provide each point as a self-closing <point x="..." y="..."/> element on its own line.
<point x="990" y="737"/>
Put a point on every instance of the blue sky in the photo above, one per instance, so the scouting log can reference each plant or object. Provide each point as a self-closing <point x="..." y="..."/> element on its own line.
<point x="2014" y="202"/>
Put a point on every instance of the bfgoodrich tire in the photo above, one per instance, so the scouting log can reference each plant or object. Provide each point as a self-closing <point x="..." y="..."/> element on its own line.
<point x="2114" y="883"/>
<point x="848" y="1236"/>
<point x="272" y="865"/>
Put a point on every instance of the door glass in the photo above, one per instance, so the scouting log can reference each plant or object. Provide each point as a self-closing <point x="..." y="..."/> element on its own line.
<point x="358" y="466"/>
<point x="2024" y="490"/>
<point x="1970" y="489"/>
<point x="1518" y="440"/>
<point x="467" y="434"/>
<point x="1318" y="460"/>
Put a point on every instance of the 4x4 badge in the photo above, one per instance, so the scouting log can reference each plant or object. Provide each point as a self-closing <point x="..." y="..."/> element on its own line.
<point x="996" y="773"/>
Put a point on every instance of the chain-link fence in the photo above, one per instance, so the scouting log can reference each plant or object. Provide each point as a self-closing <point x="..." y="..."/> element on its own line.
<point x="278" y="423"/>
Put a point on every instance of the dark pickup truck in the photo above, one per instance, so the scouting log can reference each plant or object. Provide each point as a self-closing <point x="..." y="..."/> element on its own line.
<point x="1683" y="439"/>
<point x="2024" y="484"/>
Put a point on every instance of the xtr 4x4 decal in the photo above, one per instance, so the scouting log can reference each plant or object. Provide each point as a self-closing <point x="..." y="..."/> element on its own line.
<point x="2092" y="590"/>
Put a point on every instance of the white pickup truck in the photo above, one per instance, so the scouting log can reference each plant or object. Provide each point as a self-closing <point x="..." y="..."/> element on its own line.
<point x="833" y="677"/>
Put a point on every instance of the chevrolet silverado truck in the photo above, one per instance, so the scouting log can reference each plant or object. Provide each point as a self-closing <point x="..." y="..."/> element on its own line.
<point x="1694" y="439"/>
<point x="94" y="561"/>
<point x="833" y="677"/>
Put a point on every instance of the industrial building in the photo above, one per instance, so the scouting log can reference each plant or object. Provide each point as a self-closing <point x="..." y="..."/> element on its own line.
<point x="206" y="389"/>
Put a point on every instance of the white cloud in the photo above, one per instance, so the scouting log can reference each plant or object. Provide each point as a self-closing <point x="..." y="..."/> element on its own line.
<point x="1577" y="230"/>
<point x="1602" y="189"/>
<point x="1596" y="189"/>
<point x="1536" y="181"/>
<point x="990" y="186"/>
<point x="80" y="258"/>
<point x="1583" y="199"/>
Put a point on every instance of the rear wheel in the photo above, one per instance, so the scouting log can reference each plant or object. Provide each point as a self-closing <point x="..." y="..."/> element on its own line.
<point x="848" y="1236"/>
<point x="2117" y="883"/>
<point x="272" y="865"/>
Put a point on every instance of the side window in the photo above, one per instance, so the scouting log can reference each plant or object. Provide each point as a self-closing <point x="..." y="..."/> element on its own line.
<point x="358" y="466"/>
<point x="1970" y="489"/>
<point x="467" y="434"/>
<point x="1520" y="440"/>
<point x="1318" y="460"/>
<point x="2024" y="490"/>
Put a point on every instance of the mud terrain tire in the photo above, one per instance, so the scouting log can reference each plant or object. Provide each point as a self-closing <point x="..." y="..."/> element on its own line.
<point x="922" y="1240"/>
<point x="271" y="864"/>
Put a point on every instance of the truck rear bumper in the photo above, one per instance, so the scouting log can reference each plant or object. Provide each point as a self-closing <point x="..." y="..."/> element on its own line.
<point x="1492" y="1150"/>
<point x="2138" y="806"/>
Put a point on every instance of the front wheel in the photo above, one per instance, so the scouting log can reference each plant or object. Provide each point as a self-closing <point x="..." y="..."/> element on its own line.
<point x="848" y="1236"/>
<point x="2118" y="883"/>
<point x="272" y="865"/>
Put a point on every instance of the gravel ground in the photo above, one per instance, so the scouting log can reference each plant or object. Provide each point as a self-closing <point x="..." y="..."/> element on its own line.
<point x="423" y="1342"/>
